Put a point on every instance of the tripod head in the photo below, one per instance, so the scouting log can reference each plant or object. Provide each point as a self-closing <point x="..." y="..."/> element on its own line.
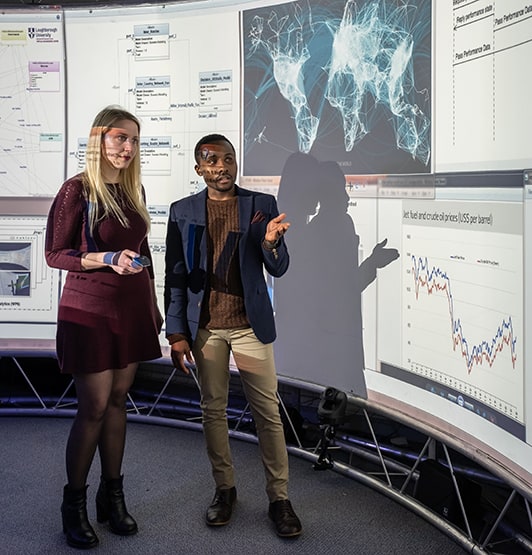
<point x="332" y="407"/>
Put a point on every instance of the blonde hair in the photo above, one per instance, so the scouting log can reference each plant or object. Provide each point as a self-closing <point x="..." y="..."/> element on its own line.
<point x="101" y="201"/>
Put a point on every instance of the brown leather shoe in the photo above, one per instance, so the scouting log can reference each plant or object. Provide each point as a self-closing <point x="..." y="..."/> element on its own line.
<point x="285" y="519"/>
<point x="221" y="508"/>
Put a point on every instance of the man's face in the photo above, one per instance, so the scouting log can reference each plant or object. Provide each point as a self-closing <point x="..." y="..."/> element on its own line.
<point x="217" y="165"/>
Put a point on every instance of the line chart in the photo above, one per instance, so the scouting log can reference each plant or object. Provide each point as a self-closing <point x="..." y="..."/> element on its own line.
<point x="463" y="313"/>
<point x="434" y="279"/>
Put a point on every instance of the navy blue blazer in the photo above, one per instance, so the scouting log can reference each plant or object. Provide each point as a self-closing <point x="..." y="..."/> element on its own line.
<point x="186" y="277"/>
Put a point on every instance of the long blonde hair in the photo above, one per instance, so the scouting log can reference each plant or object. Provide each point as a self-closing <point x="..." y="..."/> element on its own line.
<point x="102" y="202"/>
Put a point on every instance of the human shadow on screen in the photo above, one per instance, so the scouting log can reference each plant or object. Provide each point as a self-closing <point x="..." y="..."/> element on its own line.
<point x="318" y="301"/>
<point x="298" y="198"/>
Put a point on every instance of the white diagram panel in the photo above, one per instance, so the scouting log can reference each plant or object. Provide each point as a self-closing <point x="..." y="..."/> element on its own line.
<point x="32" y="102"/>
<point x="153" y="61"/>
<point x="482" y="104"/>
<point x="29" y="289"/>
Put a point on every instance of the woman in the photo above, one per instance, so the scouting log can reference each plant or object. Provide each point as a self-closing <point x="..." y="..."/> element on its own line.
<point x="108" y="318"/>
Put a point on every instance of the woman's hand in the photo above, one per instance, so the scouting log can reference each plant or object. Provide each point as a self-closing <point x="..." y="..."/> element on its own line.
<point x="122" y="262"/>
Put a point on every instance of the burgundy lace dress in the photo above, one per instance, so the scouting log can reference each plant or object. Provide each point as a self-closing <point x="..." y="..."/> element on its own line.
<point x="105" y="320"/>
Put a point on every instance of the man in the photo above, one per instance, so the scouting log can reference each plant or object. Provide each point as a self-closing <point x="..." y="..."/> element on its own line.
<point x="218" y="244"/>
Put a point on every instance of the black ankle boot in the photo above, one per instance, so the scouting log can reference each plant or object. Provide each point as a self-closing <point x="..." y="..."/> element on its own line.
<point x="79" y="533"/>
<point x="110" y="506"/>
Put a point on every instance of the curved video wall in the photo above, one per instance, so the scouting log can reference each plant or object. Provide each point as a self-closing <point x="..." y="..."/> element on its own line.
<point x="394" y="136"/>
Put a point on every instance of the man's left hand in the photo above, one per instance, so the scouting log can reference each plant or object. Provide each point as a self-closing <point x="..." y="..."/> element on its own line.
<point x="276" y="228"/>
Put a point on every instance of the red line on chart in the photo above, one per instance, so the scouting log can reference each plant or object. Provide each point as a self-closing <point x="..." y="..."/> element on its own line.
<point x="437" y="279"/>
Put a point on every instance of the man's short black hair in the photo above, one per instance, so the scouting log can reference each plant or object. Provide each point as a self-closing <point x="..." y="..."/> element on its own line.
<point x="209" y="139"/>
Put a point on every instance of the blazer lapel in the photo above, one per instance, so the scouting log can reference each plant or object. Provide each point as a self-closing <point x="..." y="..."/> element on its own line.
<point x="245" y="206"/>
<point x="199" y="213"/>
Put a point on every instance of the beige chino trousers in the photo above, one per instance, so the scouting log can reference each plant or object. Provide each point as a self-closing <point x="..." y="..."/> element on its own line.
<point x="256" y="366"/>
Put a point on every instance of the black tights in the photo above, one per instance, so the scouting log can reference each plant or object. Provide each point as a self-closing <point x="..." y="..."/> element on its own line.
<point x="100" y="423"/>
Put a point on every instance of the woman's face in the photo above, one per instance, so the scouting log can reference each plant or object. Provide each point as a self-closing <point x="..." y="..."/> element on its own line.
<point x="119" y="147"/>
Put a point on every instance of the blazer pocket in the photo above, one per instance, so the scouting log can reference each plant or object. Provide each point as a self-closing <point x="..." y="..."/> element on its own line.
<point x="258" y="217"/>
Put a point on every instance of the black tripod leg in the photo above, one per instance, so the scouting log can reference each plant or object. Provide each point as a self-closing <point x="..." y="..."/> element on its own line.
<point x="325" y="461"/>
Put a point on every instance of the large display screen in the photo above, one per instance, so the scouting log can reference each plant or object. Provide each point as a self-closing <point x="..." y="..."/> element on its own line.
<point x="394" y="136"/>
